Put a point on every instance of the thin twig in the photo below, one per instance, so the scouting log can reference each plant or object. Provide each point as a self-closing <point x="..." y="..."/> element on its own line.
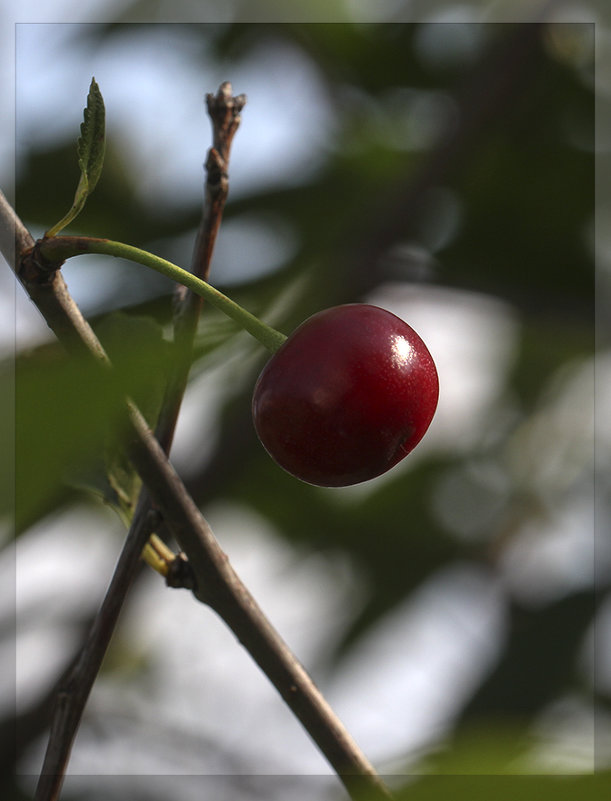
<point x="75" y="689"/>
<point x="224" y="111"/>
<point x="217" y="584"/>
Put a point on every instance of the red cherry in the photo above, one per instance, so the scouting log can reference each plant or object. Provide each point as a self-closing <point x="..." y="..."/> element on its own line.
<point x="348" y="395"/>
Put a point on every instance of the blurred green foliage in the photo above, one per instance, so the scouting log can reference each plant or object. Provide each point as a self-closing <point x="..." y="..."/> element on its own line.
<point x="537" y="788"/>
<point x="514" y="154"/>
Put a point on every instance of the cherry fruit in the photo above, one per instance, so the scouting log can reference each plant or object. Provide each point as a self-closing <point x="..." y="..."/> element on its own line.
<point x="348" y="395"/>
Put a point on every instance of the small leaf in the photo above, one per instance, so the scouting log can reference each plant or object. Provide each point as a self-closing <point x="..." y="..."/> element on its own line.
<point x="91" y="143"/>
<point x="90" y="150"/>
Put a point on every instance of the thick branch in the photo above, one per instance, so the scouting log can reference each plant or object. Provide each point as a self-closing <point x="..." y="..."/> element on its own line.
<point x="51" y="294"/>
<point x="217" y="584"/>
<point x="220" y="588"/>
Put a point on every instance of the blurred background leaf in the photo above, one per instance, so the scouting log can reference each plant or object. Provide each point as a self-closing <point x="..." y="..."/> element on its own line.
<point x="590" y="788"/>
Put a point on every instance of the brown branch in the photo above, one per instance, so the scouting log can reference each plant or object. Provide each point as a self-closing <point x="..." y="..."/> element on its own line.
<point x="219" y="587"/>
<point x="52" y="297"/>
<point x="74" y="690"/>
<point x="217" y="583"/>
<point x="224" y="111"/>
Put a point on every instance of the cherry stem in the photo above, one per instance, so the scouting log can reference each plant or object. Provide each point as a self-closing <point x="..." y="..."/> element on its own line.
<point x="56" y="249"/>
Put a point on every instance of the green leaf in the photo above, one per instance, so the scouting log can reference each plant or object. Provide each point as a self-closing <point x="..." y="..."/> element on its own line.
<point x="91" y="142"/>
<point x="70" y="418"/>
<point x="140" y="357"/>
<point x="144" y="363"/>
<point x="90" y="150"/>
<point x="64" y="409"/>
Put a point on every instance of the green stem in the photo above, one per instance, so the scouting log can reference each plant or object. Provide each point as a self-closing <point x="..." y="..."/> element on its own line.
<point x="75" y="210"/>
<point x="58" y="248"/>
